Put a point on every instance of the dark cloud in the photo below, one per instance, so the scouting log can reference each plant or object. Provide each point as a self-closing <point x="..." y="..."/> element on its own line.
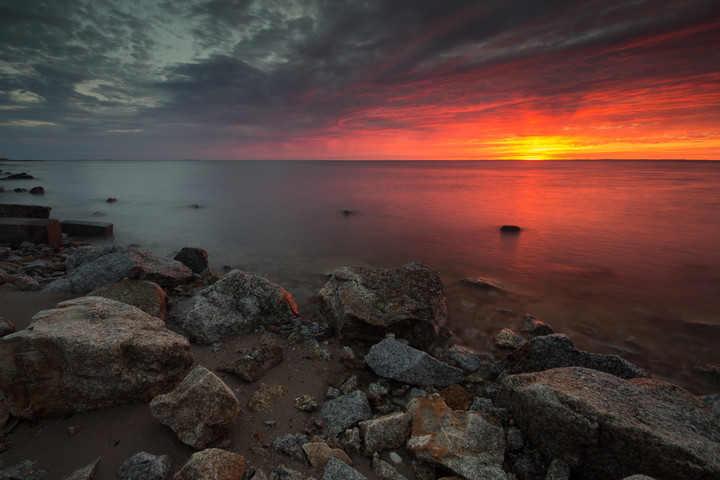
<point x="251" y="71"/>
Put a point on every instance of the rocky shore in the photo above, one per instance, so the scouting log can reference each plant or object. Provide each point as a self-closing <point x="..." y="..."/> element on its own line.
<point x="158" y="368"/>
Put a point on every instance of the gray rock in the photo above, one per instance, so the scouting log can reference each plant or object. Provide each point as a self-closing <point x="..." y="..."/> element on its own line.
<point x="558" y="470"/>
<point x="485" y="406"/>
<point x="61" y="285"/>
<point x="291" y="445"/>
<point x="24" y="470"/>
<point x="282" y="472"/>
<point x="212" y="464"/>
<point x="255" y="363"/>
<point x="86" y="354"/>
<point x="393" y="359"/>
<point x="196" y="259"/>
<point x="84" y="473"/>
<point x="362" y="303"/>
<point x="337" y="470"/>
<point x="464" y="358"/>
<point x="351" y="441"/>
<point x="345" y="412"/>
<point x="144" y="466"/>
<point x="6" y="327"/>
<point x="200" y="410"/>
<point x="514" y="438"/>
<point x="535" y="327"/>
<point x="384" y="470"/>
<point x="469" y="444"/>
<point x="388" y="431"/>
<point x="143" y="294"/>
<point x="607" y="427"/>
<point x="320" y="453"/>
<point x="235" y="304"/>
<point x="93" y="267"/>
<point x="556" y="351"/>
<point x="506" y="338"/>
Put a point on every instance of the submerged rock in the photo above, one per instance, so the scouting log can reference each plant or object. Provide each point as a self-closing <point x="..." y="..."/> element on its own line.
<point x="362" y="303"/>
<point x="235" y="304"/>
<point x="89" y="353"/>
<point x="196" y="259"/>
<point x="557" y="350"/>
<point x="393" y="359"/>
<point x="609" y="428"/>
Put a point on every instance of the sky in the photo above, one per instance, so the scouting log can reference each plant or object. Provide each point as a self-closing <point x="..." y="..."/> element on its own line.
<point x="374" y="79"/>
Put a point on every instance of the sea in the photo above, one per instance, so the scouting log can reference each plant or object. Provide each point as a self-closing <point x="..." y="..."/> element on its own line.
<point x="621" y="256"/>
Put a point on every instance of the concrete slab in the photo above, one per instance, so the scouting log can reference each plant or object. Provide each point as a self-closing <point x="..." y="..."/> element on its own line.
<point x="36" y="230"/>
<point x="78" y="228"/>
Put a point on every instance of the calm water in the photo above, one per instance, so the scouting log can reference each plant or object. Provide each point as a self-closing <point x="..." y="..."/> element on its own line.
<point x="624" y="257"/>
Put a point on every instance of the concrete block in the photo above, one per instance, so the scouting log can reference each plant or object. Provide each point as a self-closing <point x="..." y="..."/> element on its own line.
<point x="8" y="210"/>
<point x="79" y="228"/>
<point x="35" y="230"/>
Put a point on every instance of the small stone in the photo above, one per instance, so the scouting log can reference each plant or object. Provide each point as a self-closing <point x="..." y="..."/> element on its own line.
<point x="384" y="470"/>
<point x="264" y="397"/>
<point x="395" y="458"/>
<point x="514" y="438"/>
<point x="350" y="384"/>
<point x="284" y="473"/>
<point x="456" y="397"/>
<point x="212" y="464"/>
<point x="291" y="445"/>
<point x="349" y="359"/>
<point x="333" y="393"/>
<point x="535" y="327"/>
<point x="378" y="391"/>
<point x="345" y="412"/>
<point x="388" y="431"/>
<point x="337" y="470"/>
<point x="306" y="403"/>
<point x="558" y="470"/>
<point x="351" y="441"/>
<point x="144" y="466"/>
<point x="320" y="453"/>
<point x="74" y="429"/>
<point x="85" y="473"/>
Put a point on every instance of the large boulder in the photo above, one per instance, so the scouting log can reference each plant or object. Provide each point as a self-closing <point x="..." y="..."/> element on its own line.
<point x="237" y="303"/>
<point x="200" y="410"/>
<point x="608" y="428"/>
<point x="393" y="359"/>
<point x="366" y="304"/>
<point x="556" y="351"/>
<point x="470" y="444"/>
<point x="143" y="294"/>
<point x="92" y="267"/>
<point x="89" y="353"/>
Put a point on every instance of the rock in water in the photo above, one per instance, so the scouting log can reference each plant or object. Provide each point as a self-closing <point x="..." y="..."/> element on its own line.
<point x="235" y="304"/>
<point x="212" y="464"/>
<point x="609" y="428"/>
<point x="367" y="304"/>
<point x="89" y="353"/>
<point x="470" y="444"/>
<point x="393" y="359"/>
<point x="93" y="267"/>
<point x="557" y="350"/>
<point x="194" y="258"/>
<point x="200" y="410"/>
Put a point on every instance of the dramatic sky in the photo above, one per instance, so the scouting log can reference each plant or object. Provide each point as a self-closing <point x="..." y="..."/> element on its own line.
<point x="377" y="79"/>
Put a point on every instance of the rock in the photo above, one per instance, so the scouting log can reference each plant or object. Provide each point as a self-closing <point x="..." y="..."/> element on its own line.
<point x="196" y="259"/>
<point x="388" y="431"/>
<point x="111" y="200"/>
<point x="536" y="328"/>
<point x="469" y="444"/>
<point x="265" y="396"/>
<point x="255" y="363"/>
<point x="291" y="444"/>
<point x="20" y="190"/>
<point x="145" y="295"/>
<point x="393" y="359"/>
<point x="200" y="410"/>
<point x="90" y="267"/>
<point x="609" y="428"/>
<point x="37" y="191"/>
<point x="6" y="327"/>
<point x="510" y="229"/>
<point x="506" y="338"/>
<point x="464" y="358"/>
<point x="347" y="213"/>
<point x="235" y="304"/>
<point x="483" y="284"/>
<point x="212" y="464"/>
<point x="85" y="473"/>
<point x="384" y="470"/>
<point x="282" y="472"/>
<point x="377" y="392"/>
<point x="351" y="441"/>
<point x="557" y="350"/>
<point x="638" y="477"/>
<point x="558" y="470"/>
<point x="19" y="176"/>
<point x="306" y="403"/>
<point x="338" y="470"/>
<point x="350" y="384"/>
<point x="144" y="466"/>
<point x="24" y="211"/>
<point x="366" y="304"/>
<point x="320" y="453"/>
<point x="348" y="358"/>
<point x="711" y="371"/>
<point x="345" y="412"/>
<point x="456" y="397"/>
<point x="257" y="475"/>
<point x="514" y="439"/>
<point x="86" y="354"/>
<point x="486" y="407"/>
<point x="24" y="470"/>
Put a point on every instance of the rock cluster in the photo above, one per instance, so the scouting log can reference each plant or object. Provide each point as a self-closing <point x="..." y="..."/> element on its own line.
<point x="546" y="410"/>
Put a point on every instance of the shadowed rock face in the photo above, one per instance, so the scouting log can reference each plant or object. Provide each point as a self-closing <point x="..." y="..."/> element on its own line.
<point x="235" y="304"/>
<point x="609" y="428"/>
<point x="86" y="354"/>
<point x="362" y="303"/>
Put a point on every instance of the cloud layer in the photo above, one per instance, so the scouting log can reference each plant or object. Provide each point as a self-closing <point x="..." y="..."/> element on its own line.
<point x="352" y="79"/>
